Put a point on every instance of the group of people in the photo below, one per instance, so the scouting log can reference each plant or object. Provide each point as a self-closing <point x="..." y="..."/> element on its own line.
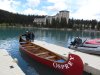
<point x="29" y="36"/>
<point x="77" y="42"/>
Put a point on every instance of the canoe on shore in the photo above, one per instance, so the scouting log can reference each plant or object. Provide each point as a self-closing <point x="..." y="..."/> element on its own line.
<point x="69" y="65"/>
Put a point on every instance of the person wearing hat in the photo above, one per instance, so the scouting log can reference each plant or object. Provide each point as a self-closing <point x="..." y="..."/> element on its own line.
<point x="27" y="35"/>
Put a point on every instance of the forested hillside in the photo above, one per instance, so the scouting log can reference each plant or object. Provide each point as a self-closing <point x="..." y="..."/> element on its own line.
<point x="16" y="19"/>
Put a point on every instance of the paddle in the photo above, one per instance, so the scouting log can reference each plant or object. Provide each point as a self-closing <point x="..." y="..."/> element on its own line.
<point x="84" y="42"/>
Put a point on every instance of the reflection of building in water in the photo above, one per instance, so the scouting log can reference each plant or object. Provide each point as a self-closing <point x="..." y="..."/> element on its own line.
<point x="61" y="14"/>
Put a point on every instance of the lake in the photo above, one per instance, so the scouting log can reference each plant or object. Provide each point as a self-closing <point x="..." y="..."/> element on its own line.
<point x="9" y="40"/>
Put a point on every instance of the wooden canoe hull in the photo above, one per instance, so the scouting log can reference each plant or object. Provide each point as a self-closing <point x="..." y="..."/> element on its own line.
<point x="73" y="66"/>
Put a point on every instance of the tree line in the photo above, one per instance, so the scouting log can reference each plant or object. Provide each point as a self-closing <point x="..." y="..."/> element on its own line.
<point x="84" y="24"/>
<point x="15" y="19"/>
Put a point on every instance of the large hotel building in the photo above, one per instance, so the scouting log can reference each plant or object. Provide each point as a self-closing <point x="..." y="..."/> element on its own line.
<point x="61" y="14"/>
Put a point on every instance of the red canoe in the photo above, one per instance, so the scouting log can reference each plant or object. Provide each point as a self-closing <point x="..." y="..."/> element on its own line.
<point x="93" y="41"/>
<point x="71" y="65"/>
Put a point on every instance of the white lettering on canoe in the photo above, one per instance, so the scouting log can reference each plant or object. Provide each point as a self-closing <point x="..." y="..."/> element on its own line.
<point x="71" y="58"/>
<point x="64" y="66"/>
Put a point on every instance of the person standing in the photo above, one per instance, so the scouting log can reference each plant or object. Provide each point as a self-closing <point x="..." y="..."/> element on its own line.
<point x="27" y="35"/>
<point x="32" y="36"/>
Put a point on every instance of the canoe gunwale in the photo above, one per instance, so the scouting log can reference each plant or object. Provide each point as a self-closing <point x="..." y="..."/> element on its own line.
<point x="72" y="66"/>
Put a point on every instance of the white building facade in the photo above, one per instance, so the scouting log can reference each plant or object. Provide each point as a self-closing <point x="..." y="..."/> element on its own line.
<point x="40" y="21"/>
<point x="61" y="14"/>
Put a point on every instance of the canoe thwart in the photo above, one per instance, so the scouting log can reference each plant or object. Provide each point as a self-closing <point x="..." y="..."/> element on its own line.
<point x="41" y="53"/>
<point x="50" y="57"/>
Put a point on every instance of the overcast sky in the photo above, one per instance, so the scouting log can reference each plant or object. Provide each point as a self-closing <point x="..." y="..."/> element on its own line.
<point x="79" y="9"/>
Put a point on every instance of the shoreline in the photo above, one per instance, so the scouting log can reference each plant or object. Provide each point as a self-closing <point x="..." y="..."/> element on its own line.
<point x="68" y="29"/>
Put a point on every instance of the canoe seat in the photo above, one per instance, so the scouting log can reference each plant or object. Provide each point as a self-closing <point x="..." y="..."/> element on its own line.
<point x="23" y="43"/>
<point x="30" y="47"/>
<point x="41" y="53"/>
<point x="50" y="57"/>
<point x="35" y="48"/>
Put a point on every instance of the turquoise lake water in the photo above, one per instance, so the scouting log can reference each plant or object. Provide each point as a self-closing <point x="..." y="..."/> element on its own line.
<point x="9" y="41"/>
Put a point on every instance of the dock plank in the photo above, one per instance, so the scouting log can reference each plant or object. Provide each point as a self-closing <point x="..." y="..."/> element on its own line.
<point x="91" y="62"/>
<point x="7" y="64"/>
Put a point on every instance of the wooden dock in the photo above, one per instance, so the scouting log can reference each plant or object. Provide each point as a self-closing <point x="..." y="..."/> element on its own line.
<point x="91" y="62"/>
<point x="8" y="65"/>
